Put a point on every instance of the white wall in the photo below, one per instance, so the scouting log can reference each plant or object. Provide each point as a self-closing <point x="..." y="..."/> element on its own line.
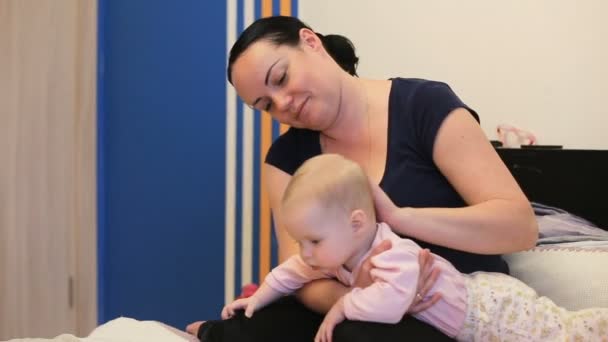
<point x="541" y="65"/>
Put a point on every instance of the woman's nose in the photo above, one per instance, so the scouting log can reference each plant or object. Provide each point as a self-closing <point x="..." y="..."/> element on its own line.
<point x="283" y="102"/>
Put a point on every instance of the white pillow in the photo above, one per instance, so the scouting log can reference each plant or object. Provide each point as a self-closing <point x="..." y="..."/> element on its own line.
<point x="131" y="330"/>
<point x="573" y="278"/>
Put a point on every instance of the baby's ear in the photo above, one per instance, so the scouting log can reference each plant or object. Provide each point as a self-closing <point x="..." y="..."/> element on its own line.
<point x="358" y="219"/>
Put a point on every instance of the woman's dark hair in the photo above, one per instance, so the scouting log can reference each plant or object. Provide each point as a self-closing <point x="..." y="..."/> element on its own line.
<point x="283" y="30"/>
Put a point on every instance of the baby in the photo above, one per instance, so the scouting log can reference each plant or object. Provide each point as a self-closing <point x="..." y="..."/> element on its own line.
<point x="328" y="209"/>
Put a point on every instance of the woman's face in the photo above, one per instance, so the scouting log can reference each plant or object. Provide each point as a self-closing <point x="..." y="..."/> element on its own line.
<point x="299" y="86"/>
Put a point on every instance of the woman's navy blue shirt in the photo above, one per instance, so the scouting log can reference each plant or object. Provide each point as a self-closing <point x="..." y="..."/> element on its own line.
<point x="417" y="108"/>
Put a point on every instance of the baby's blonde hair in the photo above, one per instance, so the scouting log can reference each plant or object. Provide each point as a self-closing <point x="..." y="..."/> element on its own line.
<point x="332" y="182"/>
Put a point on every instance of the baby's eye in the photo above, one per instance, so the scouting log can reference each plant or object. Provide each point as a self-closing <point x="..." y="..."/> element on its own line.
<point x="315" y="242"/>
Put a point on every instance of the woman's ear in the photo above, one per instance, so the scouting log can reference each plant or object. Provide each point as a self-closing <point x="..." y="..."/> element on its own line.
<point x="310" y="39"/>
<point x="358" y="219"/>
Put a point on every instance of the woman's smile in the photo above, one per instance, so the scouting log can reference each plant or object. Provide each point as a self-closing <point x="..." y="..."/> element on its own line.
<point x="301" y="110"/>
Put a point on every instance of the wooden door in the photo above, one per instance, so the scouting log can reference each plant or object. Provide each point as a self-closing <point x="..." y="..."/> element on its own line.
<point x="47" y="167"/>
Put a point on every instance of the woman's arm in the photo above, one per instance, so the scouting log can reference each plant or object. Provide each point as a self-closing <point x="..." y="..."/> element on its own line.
<point x="499" y="218"/>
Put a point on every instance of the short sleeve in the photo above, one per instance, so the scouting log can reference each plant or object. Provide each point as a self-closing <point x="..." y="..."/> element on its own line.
<point x="292" y="149"/>
<point x="432" y="103"/>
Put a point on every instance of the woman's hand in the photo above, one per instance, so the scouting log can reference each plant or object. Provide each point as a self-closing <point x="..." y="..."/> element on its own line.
<point x="364" y="278"/>
<point x="385" y="208"/>
<point x="426" y="279"/>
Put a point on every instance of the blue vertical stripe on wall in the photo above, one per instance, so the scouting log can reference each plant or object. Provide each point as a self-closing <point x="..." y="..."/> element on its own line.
<point x="101" y="190"/>
<point x="274" y="247"/>
<point x="256" y="196"/>
<point x="257" y="10"/>
<point x="239" y="173"/>
<point x="162" y="168"/>
<point x="239" y="167"/>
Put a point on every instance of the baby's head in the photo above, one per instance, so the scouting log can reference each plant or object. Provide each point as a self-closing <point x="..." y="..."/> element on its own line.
<point x="328" y="209"/>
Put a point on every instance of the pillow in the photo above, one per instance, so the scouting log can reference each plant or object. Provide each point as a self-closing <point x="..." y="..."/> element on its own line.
<point x="573" y="278"/>
<point x="129" y="329"/>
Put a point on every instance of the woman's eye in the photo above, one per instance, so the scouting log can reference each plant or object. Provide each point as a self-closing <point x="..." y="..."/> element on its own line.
<point x="282" y="80"/>
<point x="315" y="242"/>
<point x="279" y="80"/>
<point x="267" y="106"/>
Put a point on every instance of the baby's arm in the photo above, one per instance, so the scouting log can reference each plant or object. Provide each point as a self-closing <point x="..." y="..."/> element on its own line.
<point x="395" y="274"/>
<point x="283" y="279"/>
<point x="262" y="297"/>
<point x="334" y="316"/>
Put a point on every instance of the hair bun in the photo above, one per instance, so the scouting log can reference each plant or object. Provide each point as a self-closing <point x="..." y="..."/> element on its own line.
<point x="342" y="50"/>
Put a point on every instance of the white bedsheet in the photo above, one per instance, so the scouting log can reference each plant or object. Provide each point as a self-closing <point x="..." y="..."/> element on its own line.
<point x="125" y="329"/>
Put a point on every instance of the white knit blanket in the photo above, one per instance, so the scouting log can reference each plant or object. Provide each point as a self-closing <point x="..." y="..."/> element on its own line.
<point x="573" y="277"/>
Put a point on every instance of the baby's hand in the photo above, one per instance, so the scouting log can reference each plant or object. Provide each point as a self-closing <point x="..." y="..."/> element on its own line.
<point x="248" y="304"/>
<point x="333" y="318"/>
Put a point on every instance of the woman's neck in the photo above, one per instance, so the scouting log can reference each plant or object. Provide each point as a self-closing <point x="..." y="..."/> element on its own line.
<point x="352" y="119"/>
<point x="362" y="102"/>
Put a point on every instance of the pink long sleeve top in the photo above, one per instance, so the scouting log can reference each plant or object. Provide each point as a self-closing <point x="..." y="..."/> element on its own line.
<point x="395" y="275"/>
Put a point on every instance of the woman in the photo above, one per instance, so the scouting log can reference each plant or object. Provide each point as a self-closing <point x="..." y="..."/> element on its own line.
<point x="440" y="181"/>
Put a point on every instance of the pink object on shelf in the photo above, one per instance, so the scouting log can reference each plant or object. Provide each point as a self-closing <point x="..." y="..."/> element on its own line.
<point x="511" y="136"/>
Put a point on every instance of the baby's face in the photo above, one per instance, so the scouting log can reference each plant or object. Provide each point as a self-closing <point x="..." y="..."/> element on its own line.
<point x="325" y="236"/>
